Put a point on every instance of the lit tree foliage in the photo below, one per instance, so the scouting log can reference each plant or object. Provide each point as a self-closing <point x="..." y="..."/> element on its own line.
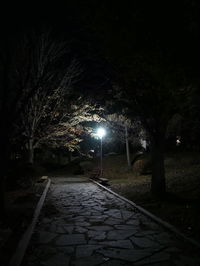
<point x="71" y="124"/>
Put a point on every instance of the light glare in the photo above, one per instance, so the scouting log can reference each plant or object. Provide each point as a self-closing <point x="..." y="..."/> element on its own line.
<point x="101" y="132"/>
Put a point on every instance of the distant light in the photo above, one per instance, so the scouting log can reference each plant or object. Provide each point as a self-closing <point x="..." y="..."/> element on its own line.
<point x="101" y="132"/>
<point x="178" y="141"/>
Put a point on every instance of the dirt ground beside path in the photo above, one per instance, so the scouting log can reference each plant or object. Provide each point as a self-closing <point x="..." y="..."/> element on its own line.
<point x="182" y="206"/>
<point x="21" y="204"/>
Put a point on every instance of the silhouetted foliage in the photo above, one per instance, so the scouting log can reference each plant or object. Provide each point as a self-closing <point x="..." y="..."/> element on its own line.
<point x="154" y="59"/>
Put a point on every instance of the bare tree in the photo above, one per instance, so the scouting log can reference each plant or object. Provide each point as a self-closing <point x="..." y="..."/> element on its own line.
<point x="49" y="84"/>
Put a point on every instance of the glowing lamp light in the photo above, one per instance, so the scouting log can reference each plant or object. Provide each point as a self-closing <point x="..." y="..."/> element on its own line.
<point x="101" y="132"/>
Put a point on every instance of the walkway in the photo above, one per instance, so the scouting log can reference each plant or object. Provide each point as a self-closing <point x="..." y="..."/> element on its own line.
<point x="83" y="225"/>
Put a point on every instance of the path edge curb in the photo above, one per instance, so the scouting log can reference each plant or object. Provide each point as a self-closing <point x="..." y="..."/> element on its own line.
<point x="165" y="224"/>
<point x="18" y="256"/>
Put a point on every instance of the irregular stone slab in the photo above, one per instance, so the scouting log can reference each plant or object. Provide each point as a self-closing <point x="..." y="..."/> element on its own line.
<point x="153" y="226"/>
<point x="143" y="242"/>
<point x="66" y="250"/>
<point x="115" y="213"/>
<point x="130" y="255"/>
<point x="61" y="220"/>
<point x="156" y="258"/>
<point x="45" y="252"/>
<point x="46" y="237"/>
<point x="86" y="250"/>
<point x="95" y="213"/>
<point x="93" y="242"/>
<point x="68" y="218"/>
<point x="89" y="261"/>
<point x="60" y="230"/>
<point x="69" y="229"/>
<point x="133" y="222"/>
<point x="66" y="240"/>
<point x="100" y="236"/>
<point x="101" y="228"/>
<point x="96" y="235"/>
<point x="111" y="262"/>
<point x="53" y="227"/>
<point x="142" y="233"/>
<point x="80" y="229"/>
<point x="126" y="227"/>
<point x="95" y="222"/>
<point x="46" y="220"/>
<point x="99" y="217"/>
<point x="78" y="219"/>
<point x="127" y="214"/>
<point x="89" y="203"/>
<point x="119" y="244"/>
<point x="57" y="260"/>
<point x="119" y="234"/>
<point x="98" y="208"/>
<point x="75" y="210"/>
<point x="85" y="213"/>
<point x="111" y="221"/>
<point x="82" y="224"/>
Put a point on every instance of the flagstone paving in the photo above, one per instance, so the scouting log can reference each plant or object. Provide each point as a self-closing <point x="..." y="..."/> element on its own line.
<point x="81" y="224"/>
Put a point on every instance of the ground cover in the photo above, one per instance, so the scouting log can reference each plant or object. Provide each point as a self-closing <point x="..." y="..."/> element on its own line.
<point x="21" y="203"/>
<point x="181" y="207"/>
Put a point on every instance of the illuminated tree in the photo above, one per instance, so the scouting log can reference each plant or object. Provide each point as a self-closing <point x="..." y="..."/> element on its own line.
<point x="71" y="123"/>
<point x="49" y="84"/>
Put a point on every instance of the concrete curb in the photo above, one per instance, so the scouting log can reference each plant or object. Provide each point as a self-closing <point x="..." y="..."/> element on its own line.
<point x="152" y="216"/>
<point x="18" y="256"/>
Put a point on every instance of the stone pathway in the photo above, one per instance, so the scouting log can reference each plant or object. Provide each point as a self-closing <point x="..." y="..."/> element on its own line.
<point x="83" y="225"/>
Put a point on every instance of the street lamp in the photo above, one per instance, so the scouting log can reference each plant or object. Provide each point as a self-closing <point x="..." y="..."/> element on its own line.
<point x="101" y="133"/>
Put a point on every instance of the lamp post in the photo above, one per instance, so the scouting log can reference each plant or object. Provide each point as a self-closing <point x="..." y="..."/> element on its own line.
<point x="101" y="133"/>
<point x="127" y="148"/>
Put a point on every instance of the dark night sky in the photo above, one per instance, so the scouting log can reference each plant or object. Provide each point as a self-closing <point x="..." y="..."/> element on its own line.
<point x="143" y="24"/>
<point x="166" y="19"/>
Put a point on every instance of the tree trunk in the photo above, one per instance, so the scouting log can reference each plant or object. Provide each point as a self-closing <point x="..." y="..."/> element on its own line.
<point x="4" y="167"/>
<point x="158" y="186"/>
<point x="59" y="160"/>
<point x="30" y="152"/>
<point x="3" y="197"/>
<point x="69" y="156"/>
